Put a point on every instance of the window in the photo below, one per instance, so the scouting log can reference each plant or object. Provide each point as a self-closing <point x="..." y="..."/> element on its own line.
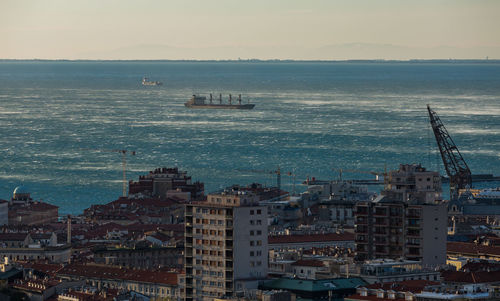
<point x="259" y="242"/>
<point x="251" y="232"/>
<point x="259" y="211"/>
<point x="251" y="243"/>
<point x="259" y="232"/>
<point x="252" y="222"/>
<point x="251" y="212"/>
<point x="251" y="253"/>
<point x="258" y="222"/>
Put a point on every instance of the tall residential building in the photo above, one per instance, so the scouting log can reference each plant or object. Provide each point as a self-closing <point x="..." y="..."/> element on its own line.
<point x="394" y="229"/>
<point x="413" y="183"/>
<point x="225" y="245"/>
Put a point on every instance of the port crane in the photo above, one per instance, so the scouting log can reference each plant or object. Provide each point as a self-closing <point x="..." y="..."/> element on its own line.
<point x="341" y="170"/>
<point x="278" y="173"/>
<point x="454" y="164"/>
<point x="124" y="153"/>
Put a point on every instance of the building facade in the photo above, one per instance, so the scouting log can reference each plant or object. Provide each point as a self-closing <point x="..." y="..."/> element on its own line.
<point x="413" y="183"/>
<point x="225" y="245"/>
<point x="401" y="230"/>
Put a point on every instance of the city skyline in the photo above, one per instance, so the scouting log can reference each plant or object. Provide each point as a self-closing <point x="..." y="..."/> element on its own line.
<point x="321" y="30"/>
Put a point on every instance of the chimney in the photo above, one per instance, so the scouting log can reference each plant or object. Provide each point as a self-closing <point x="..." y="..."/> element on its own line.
<point x="68" y="240"/>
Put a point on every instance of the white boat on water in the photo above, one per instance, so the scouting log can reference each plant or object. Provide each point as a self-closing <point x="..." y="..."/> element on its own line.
<point x="147" y="82"/>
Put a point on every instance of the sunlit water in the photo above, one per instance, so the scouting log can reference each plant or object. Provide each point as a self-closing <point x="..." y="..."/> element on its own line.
<point x="308" y="118"/>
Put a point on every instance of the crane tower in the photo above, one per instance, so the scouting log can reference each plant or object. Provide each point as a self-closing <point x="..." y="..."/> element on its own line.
<point x="454" y="164"/>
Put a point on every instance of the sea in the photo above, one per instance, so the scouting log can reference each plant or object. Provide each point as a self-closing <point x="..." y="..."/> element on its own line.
<point x="61" y="120"/>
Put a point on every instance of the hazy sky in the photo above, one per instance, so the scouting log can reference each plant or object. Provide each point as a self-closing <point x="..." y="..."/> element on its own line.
<point x="264" y="29"/>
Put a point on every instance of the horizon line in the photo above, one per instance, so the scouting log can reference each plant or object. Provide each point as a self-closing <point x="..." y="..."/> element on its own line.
<point x="483" y="60"/>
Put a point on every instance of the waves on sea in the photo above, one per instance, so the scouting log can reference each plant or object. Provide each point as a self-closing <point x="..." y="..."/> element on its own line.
<point x="309" y="118"/>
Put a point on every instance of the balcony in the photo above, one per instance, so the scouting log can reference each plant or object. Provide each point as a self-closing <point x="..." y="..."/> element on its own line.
<point x="361" y="222"/>
<point x="380" y="231"/>
<point x="413" y="214"/>
<point x="361" y="230"/>
<point x="381" y="213"/>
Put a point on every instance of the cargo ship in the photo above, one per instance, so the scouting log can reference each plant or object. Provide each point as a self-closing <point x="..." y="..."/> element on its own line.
<point x="199" y="102"/>
<point x="147" y="82"/>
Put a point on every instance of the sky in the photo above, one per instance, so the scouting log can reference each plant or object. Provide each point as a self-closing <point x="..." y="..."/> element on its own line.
<point x="257" y="29"/>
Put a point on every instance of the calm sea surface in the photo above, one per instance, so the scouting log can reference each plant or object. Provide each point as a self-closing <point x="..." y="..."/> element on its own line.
<point x="308" y="118"/>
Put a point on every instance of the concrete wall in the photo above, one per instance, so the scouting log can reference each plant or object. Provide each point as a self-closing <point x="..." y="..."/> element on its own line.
<point x="4" y="213"/>
<point x="249" y="230"/>
<point x="434" y="224"/>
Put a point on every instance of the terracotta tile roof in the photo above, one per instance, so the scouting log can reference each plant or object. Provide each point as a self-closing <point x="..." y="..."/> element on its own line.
<point x="413" y="286"/>
<point x="311" y="238"/>
<point x="481" y="266"/>
<point x="41" y="206"/>
<point x="93" y="296"/>
<point x="13" y="236"/>
<point x="471" y="277"/>
<point x="154" y="227"/>
<point x="106" y="272"/>
<point x="472" y="249"/>
<point x="371" y="298"/>
<point x="49" y="269"/>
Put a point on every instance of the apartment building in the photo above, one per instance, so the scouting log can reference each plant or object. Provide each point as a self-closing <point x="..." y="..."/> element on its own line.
<point x="392" y="229"/>
<point x="413" y="183"/>
<point x="225" y="245"/>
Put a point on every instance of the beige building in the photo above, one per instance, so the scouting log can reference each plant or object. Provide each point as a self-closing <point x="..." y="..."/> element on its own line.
<point x="413" y="183"/>
<point x="225" y="245"/>
<point x="26" y="247"/>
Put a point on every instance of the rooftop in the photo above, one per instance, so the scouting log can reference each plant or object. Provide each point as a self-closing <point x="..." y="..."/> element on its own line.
<point x="279" y="239"/>
<point x="106" y="272"/>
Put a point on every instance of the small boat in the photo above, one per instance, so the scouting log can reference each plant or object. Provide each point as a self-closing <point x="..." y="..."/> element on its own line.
<point x="198" y="102"/>
<point x="147" y="82"/>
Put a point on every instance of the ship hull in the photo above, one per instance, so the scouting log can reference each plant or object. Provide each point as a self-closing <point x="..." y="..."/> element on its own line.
<point x="216" y="106"/>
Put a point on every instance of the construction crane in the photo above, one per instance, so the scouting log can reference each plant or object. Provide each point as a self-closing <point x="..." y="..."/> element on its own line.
<point x="454" y="164"/>
<point x="124" y="164"/>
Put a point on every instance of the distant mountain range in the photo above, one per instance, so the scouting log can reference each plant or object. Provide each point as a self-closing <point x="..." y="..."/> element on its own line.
<point x="351" y="51"/>
<point x="334" y="52"/>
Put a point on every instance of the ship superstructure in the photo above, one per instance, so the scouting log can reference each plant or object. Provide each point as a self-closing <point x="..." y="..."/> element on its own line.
<point x="147" y="82"/>
<point x="199" y="102"/>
